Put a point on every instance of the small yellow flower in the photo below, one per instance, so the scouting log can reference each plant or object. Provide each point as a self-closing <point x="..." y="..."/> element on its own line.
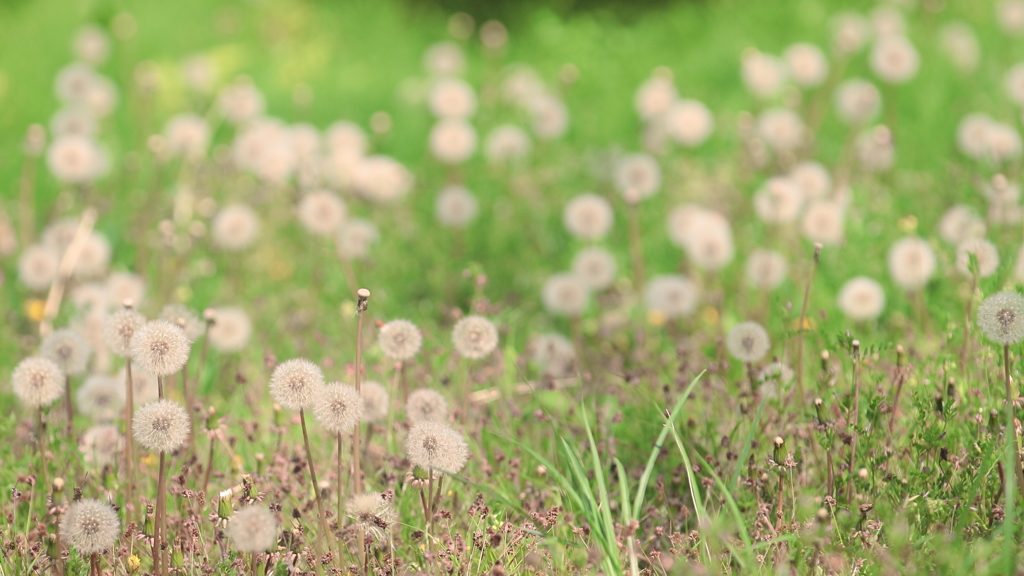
<point x="907" y="224"/>
<point x="655" y="317"/>
<point x="808" y="323"/>
<point x="134" y="564"/>
<point x="150" y="460"/>
<point x="34" y="309"/>
<point x="710" y="315"/>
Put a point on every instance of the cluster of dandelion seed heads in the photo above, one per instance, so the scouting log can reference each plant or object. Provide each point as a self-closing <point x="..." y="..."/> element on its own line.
<point x="37" y="381"/>
<point x="252" y="529"/>
<point x="400" y="340"/>
<point x="119" y="328"/>
<point x="474" y="337"/>
<point x="376" y="401"/>
<point x="436" y="446"/>
<point x="748" y="341"/>
<point x="338" y="408"/>
<point x="426" y="405"/>
<point x="90" y="526"/>
<point x="161" y="426"/>
<point x="160" y="348"/>
<point x="1001" y="317"/>
<point x="67" y="349"/>
<point x="373" y="513"/>
<point x="296" y="383"/>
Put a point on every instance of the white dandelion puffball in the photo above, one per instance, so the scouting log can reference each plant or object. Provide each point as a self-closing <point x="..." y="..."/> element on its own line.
<point x="252" y="529"/>
<point x="961" y="45"/>
<point x="474" y="337"/>
<point x="766" y="269"/>
<point x="565" y="294"/>
<point x="983" y="251"/>
<point x="305" y="140"/>
<point x="145" y="388"/>
<point x="960" y="223"/>
<point x="823" y="222"/>
<point x="376" y="401"/>
<point x="74" y="83"/>
<point x="235" y="227"/>
<point x="887" y="21"/>
<point x="588" y="216"/>
<point x="160" y="348"/>
<point x="813" y="179"/>
<point x="911" y="263"/>
<point x="763" y="74"/>
<point x="1001" y="317"/>
<point x="90" y="526"/>
<point x="74" y="121"/>
<point x="60" y="234"/>
<point x="346" y="138"/>
<point x="748" y="342"/>
<point x="93" y="257"/>
<point x="689" y="123"/>
<point x="400" y="340"/>
<point x="37" y="267"/>
<point x="126" y="286"/>
<point x="850" y="31"/>
<point x="554" y="354"/>
<point x="161" y="426"/>
<point x="654" y="97"/>
<point x="452" y="141"/>
<point x="101" y="398"/>
<point x="338" y="408"/>
<point x="1010" y="15"/>
<point x="1004" y="143"/>
<point x="436" y="447"/>
<point x="637" y="176"/>
<point x="857" y="101"/>
<point x="680" y="223"/>
<point x="426" y="405"/>
<point x="241" y="102"/>
<point x="779" y="201"/>
<point x="75" y="159"/>
<point x="444" y="59"/>
<point x="91" y="44"/>
<point x="781" y="128"/>
<point x="894" y="59"/>
<point x="322" y="212"/>
<point x="507" y="143"/>
<point x="709" y="242"/>
<point x="595" y="266"/>
<point x="119" y="328"/>
<point x="296" y="383"/>
<point x="875" y="149"/>
<point x="452" y="98"/>
<point x="972" y="135"/>
<point x="185" y="319"/>
<point x="37" y="381"/>
<point x="355" y="237"/>
<point x="187" y="135"/>
<point x="231" y="329"/>
<point x="455" y="206"/>
<point x="383" y="179"/>
<point x="68" y="349"/>
<point x="807" y="64"/>
<point x="861" y="299"/>
<point x="550" y="116"/>
<point x="372" y="512"/>
<point x="673" y="296"/>
<point x="100" y="445"/>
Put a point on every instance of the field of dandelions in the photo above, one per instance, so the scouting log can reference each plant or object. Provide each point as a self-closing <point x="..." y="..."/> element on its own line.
<point x="312" y="288"/>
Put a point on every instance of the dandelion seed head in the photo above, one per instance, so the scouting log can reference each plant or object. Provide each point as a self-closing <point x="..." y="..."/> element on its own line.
<point x="781" y="128"/>
<point x="763" y="74"/>
<point x="73" y="121"/>
<point x="452" y="98"/>
<point x="911" y="263"/>
<point x="894" y="59"/>
<point x="506" y="143"/>
<point x="857" y="101"/>
<point x="231" y="330"/>
<point x="90" y="526"/>
<point x="637" y="176"/>
<point x="875" y="149"/>
<point x="689" y="123"/>
<point x="588" y="216"/>
<point x="813" y="179"/>
<point x="961" y="45"/>
<point x="400" y="340"/>
<point x="241" y="102"/>
<point x="437" y="447"/>
<point x="823" y="222"/>
<point x="252" y="529"/>
<point x="456" y="206"/>
<point x="426" y="405"/>
<point x="709" y="242"/>
<point x="766" y="269"/>
<point x="554" y="354"/>
<point x="1001" y="317"/>
<point x="474" y="337"/>
<point x="187" y="135"/>
<point x="355" y="238"/>
<point x="566" y="294"/>
<point x="101" y="398"/>
<point x="779" y="201"/>
<point x="338" y="408"/>
<point x="654" y="97"/>
<point x="235" y="227"/>
<point x="452" y="141"/>
<point x="75" y="159"/>
<point x="161" y="426"/>
<point x="100" y="445"/>
<point x="322" y="212"/>
<point x="444" y="59"/>
<point x="37" y="381"/>
<point x="67" y="349"/>
<point x="376" y="401"/>
<point x="972" y="135"/>
<point x="850" y="31"/>
<point x="984" y="251"/>
<point x="37" y="267"/>
<point x="160" y="347"/>
<point x="185" y="319"/>
<point x="595" y="266"/>
<point x="960" y="223"/>
<point x="372" y="513"/>
<point x="807" y="64"/>
<point x="861" y="299"/>
<point x="748" y="342"/>
<point x="93" y="257"/>
<point x="673" y="295"/>
<point x="296" y="383"/>
<point x="383" y="179"/>
<point x="145" y="388"/>
<point x="91" y="44"/>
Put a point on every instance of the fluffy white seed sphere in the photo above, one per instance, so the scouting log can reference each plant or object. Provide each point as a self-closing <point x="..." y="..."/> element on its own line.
<point x="689" y="123"/>
<point x="322" y="212"/>
<point x="426" y="405"/>
<point x="637" y="176"/>
<point x="37" y="381"/>
<point x="781" y="128"/>
<point x="823" y="222"/>
<point x="452" y="98"/>
<point x="813" y="179"/>
<point x="37" y="267"/>
<point x="296" y="383"/>
<point x="779" y="201"/>
<point x="1001" y="317"/>
<point x="911" y="263"/>
<point x="160" y="348"/>
<point x="507" y="143"/>
<point x="452" y="141"/>
<point x="455" y="207"/>
<point x="861" y="299"/>
<point x="766" y="269"/>
<point x="161" y="426"/>
<point x="595" y="266"/>
<point x="90" y="526"/>
<point x="400" y="340"/>
<point x="231" y="329"/>
<point x="673" y="296"/>
<point x="894" y="59"/>
<point x="983" y="251"/>
<point x="565" y="294"/>
<point x="68" y="349"/>
<point x="436" y="447"/>
<point x="252" y="529"/>
<point x="748" y="342"/>
<point x="857" y="101"/>
<point x="807" y="64"/>
<point x="588" y="216"/>
<point x="338" y="408"/>
<point x="474" y="337"/>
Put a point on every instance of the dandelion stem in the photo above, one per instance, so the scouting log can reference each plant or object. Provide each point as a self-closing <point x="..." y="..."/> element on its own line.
<point x="339" y="491"/>
<point x="129" y="448"/>
<point x="855" y="416"/>
<point x="69" y="426"/>
<point x="362" y="303"/>
<point x="41" y="445"/>
<point x="801" y="328"/>
<point x="316" y="486"/>
<point x="1012" y="432"/>
<point x="159" y="562"/>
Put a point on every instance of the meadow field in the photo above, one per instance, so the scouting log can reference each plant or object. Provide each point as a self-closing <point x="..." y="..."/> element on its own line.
<point x="306" y="287"/>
